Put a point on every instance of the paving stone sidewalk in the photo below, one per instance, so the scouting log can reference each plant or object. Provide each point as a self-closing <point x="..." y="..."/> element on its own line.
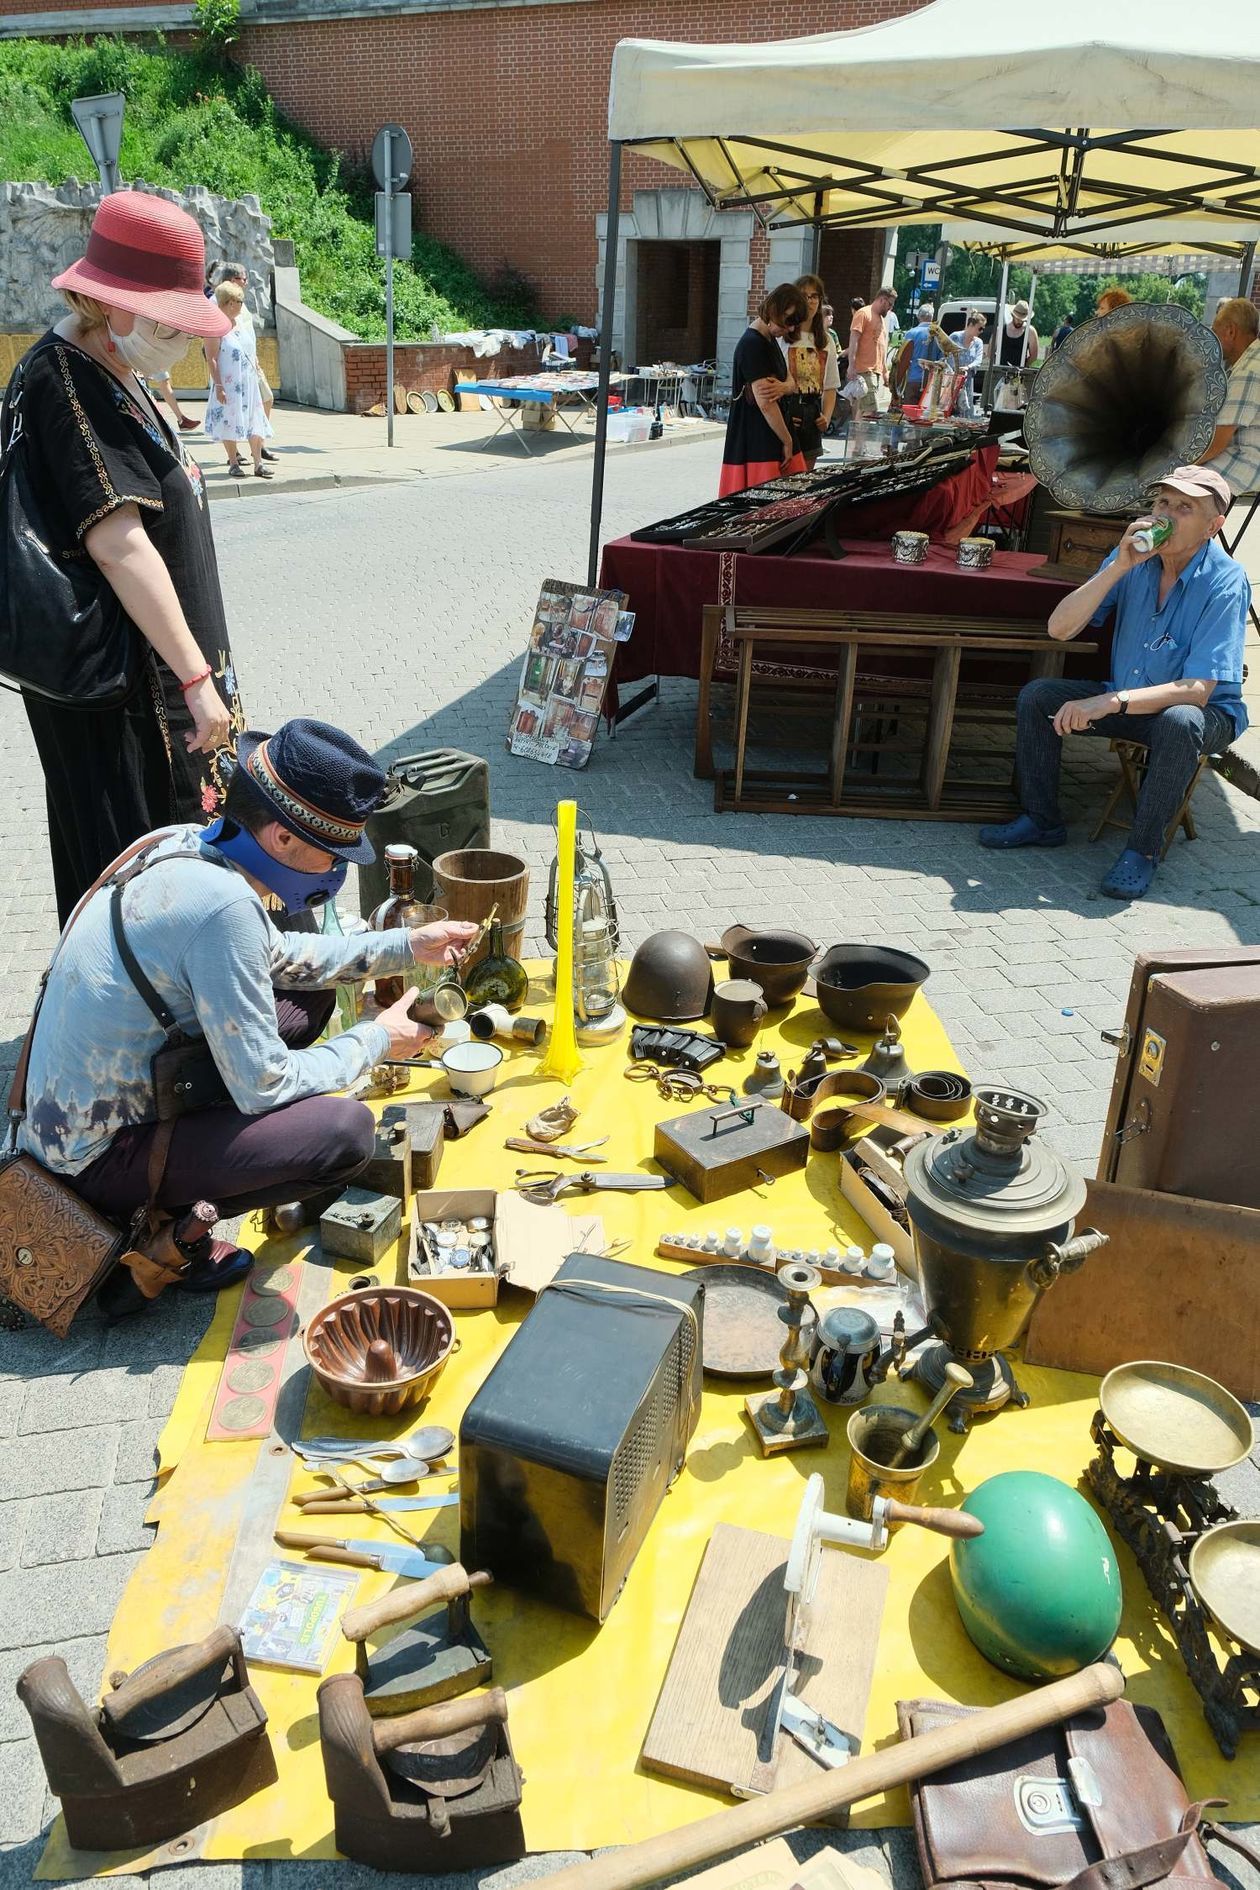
<point x="402" y="612"/>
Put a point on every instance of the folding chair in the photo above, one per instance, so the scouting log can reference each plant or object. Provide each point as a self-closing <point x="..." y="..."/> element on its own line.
<point x="1133" y="757"/>
<point x="1251" y="500"/>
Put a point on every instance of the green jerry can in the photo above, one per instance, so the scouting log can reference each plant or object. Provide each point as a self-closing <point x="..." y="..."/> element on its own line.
<point x="434" y="802"/>
<point x="1039" y="1591"/>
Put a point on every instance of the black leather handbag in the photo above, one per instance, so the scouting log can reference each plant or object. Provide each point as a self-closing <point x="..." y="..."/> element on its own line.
<point x="63" y="633"/>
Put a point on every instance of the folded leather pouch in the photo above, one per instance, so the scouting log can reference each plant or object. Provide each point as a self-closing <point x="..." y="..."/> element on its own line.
<point x="1096" y="1804"/>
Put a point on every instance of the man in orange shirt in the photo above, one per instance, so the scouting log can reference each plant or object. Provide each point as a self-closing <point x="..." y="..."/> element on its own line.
<point x="868" y="349"/>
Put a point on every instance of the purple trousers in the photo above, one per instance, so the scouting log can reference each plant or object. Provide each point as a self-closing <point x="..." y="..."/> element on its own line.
<point x="242" y="1162"/>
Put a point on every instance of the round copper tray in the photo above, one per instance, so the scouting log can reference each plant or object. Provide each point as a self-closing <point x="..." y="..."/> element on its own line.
<point x="1177" y="1419"/>
<point x="743" y="1334"/>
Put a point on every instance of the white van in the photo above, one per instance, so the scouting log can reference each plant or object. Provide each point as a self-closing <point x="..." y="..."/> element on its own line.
<point x="952" y="316"/>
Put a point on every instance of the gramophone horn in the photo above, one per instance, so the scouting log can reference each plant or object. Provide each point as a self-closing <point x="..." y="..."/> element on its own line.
<point x="1123" y="400"/>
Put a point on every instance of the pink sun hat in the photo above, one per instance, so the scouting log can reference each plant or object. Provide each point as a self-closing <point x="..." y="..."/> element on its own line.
<point x="147" y="255"/>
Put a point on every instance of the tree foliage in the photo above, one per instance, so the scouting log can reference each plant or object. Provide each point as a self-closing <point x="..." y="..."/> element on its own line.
<point x="972" y="273"/>
<point x="193" y="117"/>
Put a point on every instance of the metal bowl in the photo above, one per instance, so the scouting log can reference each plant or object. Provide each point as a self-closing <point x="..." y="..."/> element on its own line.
<point x="1225" y="1573"/>
<point x="859" y="986"/>
<point x="381" y="1349"/>
<point x="743" y="1334"/>
<point x="1176" y="1419"/>
<point x="777" y="961"/>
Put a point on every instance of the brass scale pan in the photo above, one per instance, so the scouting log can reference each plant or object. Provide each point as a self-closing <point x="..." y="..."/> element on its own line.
<point x="1184" y="1422"/>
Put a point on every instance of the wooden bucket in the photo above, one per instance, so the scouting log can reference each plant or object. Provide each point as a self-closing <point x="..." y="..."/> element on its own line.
<point x="469" y="881"/>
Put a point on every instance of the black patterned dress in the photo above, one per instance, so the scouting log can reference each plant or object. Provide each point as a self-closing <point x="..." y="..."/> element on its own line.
<point x="112" y="774"/>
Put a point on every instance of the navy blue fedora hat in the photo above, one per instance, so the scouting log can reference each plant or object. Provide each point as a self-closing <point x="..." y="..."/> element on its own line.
<point x="317" y="781"/>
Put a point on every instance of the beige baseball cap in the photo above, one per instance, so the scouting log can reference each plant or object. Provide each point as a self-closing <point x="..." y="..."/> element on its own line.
<point x="1201" y="482"/>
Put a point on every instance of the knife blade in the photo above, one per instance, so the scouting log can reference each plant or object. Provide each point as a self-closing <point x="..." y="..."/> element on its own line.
<point x="331" y="1502"/>
<point x="382" y="1555"/>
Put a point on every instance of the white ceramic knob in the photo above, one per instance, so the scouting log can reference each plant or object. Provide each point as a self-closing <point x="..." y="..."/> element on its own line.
<point x="883" y="1262"/>
<point x="854" y="1260"/>
<point x="734" y="1242"/>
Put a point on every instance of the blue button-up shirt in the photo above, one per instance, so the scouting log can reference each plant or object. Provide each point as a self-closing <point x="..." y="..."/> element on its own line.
<point x="1198" y="631"/>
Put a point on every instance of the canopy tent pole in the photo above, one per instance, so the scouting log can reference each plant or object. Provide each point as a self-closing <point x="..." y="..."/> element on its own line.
<point x="995" y="346"/>
<point x="1246" y="270"/>
<point x="612" y="227"/>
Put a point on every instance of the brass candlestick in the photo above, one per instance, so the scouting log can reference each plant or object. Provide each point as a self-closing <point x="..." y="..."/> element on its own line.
<point x="787" y="1418"/>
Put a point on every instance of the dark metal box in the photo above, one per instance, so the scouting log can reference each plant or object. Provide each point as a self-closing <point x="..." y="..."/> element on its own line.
<point x="721" y="1151"/>
<point x="579" y="1429"/>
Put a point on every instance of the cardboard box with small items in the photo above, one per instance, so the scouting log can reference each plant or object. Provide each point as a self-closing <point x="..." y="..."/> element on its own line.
<point x="465" y="1242"/>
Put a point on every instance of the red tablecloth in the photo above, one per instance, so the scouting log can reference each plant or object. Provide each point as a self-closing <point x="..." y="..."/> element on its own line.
<point x="668" y="587"/>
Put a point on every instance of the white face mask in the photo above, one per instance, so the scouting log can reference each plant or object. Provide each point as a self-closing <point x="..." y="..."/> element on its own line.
<point x="147" y="349"/>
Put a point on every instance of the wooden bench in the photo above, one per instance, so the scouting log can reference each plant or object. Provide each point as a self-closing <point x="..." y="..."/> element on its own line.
<point x="856" y="639"/>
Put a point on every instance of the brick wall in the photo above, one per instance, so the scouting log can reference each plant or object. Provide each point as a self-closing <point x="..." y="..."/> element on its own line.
<point x="507" y="110"/>
<point x="429" y="366"/>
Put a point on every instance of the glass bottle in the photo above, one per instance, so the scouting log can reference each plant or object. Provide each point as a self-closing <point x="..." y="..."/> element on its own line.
<point x="400" y="908"/>
<point x="499" y="978"/>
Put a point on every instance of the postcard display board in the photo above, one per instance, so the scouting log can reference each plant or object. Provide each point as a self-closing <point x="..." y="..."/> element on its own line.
<point x="565" y="672"/>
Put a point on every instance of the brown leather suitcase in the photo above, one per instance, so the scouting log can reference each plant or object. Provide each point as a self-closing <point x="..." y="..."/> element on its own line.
<point x="1186" y="1094"/>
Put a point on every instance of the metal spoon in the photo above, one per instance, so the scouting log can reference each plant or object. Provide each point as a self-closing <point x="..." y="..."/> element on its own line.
<point x="423" y="1446"/>
<point x="395" y="1470"/>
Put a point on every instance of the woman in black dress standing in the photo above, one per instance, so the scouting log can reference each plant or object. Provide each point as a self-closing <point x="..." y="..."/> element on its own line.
<point x="114" y="483"/>
<point x="759" y="443"/>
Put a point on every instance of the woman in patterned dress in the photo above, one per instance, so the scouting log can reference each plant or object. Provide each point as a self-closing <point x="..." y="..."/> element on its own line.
<point x="234" y="409"/>
<point x="116" y="484"/>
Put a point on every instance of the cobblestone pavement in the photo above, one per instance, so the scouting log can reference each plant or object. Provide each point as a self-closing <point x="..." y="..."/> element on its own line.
<point x="401" y="613"/>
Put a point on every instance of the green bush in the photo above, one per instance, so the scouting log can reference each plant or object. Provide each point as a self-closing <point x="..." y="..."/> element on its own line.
<point x="196" y="118"/>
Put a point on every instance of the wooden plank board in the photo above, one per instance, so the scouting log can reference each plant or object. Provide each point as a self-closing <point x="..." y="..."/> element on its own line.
<point x="727" y="1659"/>
<point x="1179" y="1280"/>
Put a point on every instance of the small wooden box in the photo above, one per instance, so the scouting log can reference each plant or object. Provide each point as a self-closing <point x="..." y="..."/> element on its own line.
<point x="1079" y="541"/>
<point x="361" y="1225"/>
<point x="721" y="1151"/>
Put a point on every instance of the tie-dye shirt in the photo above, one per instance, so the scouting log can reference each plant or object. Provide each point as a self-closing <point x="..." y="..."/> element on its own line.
<point x="203" y="939"/>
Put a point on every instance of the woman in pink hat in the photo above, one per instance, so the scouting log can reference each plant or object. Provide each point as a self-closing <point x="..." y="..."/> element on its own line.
<point x="115" y="481"/>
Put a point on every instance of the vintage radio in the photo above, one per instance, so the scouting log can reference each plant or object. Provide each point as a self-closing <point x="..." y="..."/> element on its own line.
<point x="579" y="1429"/>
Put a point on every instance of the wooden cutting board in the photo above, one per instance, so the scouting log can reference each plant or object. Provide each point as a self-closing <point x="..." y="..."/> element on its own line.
<point x="726" y="1662"/>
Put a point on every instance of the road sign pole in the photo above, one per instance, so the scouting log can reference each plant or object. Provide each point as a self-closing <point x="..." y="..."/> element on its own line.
<point x="389" y="292"/>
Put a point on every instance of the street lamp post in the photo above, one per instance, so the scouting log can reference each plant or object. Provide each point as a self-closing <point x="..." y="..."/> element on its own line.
<point x="100" y="122"/>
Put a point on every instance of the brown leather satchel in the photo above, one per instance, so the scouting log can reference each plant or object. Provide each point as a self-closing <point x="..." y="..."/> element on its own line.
<point x="1094" y="1804"/>
<point x="54" y="1249"/>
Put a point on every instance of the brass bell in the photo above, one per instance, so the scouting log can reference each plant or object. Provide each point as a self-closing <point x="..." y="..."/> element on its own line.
<point x="888" y="1059"/>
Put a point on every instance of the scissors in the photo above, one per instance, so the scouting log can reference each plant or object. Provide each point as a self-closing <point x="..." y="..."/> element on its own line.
<point x="543" y="1186"/>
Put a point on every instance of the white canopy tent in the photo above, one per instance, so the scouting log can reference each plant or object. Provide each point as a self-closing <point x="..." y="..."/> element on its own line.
<point x="1195" y="246"/>
<point x="1013" y="115"/>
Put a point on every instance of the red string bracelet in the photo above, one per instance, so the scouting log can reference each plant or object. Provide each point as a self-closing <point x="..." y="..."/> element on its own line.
<point x="194" y="680"/>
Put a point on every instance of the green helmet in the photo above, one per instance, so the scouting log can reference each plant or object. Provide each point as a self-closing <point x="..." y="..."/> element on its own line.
<point x="1039" y="1591"/>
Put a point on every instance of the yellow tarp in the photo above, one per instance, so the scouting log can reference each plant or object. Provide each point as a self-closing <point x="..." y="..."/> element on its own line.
<point x="581" y="1697"/>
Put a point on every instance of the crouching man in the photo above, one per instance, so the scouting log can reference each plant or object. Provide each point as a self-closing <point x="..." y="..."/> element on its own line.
<point x="1176" y="675"/>
<point x="192" y="924"/>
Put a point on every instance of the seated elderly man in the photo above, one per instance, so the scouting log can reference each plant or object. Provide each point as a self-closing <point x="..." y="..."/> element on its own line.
<point x="1176" y="675"/>
<point x="1234" y="449"/>
<point x="181" y="939"/>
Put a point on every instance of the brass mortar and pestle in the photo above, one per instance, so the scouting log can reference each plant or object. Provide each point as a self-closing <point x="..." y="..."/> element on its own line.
<point x="890" y="1448"/>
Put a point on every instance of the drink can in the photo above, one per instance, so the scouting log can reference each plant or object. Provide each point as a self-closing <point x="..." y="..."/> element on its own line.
<point x="1152" y="536"/>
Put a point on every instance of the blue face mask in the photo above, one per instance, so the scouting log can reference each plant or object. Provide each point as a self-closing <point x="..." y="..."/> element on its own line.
<point x="296" y="891"/>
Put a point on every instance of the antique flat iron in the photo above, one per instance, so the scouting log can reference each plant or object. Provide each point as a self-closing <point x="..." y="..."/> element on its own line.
<point x="178" y="1741"/>
<point x="428" y="1660"/>
<point x="437" y="1790"/>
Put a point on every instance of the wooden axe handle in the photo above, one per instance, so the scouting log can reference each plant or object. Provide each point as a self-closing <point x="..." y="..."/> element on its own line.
<point x="442" y="1720"/>
<point x="168" y="1671"/>
<point x="403" y="1604"/>
<point x="814" y="1799"/>
<point x="946" y="1522"/>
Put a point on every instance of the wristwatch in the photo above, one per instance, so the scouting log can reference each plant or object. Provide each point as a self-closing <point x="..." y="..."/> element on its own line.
<point x="1122" y="697"/>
